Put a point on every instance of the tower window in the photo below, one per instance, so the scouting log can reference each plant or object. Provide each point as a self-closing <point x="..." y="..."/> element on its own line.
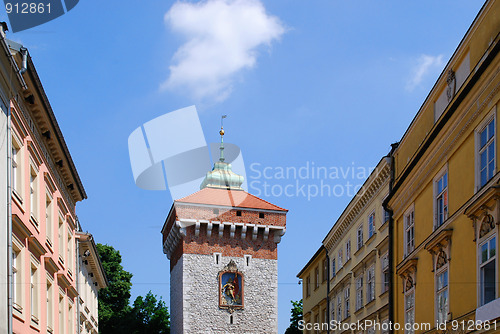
<point x="238" y="213"/>
<point x="261" y="215"/>
<point x="248" y="260"/>
<point x="231" y="321"/>
<point x="216" y="211"/>
<point x="217" y="258"/>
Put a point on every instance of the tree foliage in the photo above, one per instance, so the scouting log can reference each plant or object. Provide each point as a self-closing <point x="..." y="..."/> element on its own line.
<point x="113" y="300"/>
<point x="296" y="316"/>
<point x="116" y="316"/>
<point x="150" y="315"/>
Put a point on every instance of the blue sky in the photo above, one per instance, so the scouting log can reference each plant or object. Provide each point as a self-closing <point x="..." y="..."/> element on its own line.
<point x="326" y="83"/>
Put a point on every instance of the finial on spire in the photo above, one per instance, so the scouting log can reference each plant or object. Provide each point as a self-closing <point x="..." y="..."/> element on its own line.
<point x="221" y="132"/>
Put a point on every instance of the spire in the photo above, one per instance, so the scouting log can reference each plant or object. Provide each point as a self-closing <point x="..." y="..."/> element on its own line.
<point x="222" y="175"/>
<point x="221" y="132"/>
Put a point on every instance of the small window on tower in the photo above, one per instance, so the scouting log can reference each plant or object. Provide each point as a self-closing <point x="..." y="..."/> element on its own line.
<point x="248" y="259"/>
<point x="217" y="258"/>
<point x="261" y="215"/>
<point x="238" y="213"/>
<point x="216" y="211"/>
<point x="231" y="321"/>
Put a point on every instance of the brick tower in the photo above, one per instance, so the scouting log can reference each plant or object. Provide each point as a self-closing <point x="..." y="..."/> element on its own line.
<point x="222" y="245"/>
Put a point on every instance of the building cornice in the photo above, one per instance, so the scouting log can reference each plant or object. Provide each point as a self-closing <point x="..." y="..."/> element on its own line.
<point x="370" y="189"/>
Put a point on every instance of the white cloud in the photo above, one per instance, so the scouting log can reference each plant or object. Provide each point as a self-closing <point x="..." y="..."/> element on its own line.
<point x="222" y="38"/>
<point x="425" y="65"/>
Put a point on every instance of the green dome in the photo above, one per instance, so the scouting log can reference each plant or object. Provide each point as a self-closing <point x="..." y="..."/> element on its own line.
<point x="222" y="177"/>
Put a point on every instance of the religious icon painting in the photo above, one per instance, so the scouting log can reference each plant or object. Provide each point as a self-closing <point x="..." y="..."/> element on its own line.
<point x="230" y="289"/>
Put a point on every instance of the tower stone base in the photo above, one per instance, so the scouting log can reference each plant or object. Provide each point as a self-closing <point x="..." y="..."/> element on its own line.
<point x="194" y="296"/>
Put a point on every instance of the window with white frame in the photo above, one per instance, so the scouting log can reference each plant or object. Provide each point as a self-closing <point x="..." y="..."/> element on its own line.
<point x="325" y="270"/>
<point x="387" y="215"/>
<point x="60" y="237"/>
<point x="347" y="294"/>
<point x="385" y="272"/>
<point x="17" y="278"/>
<point x="61" y="314"/>
<point x="409" y="221"/>
<point x="33" y="193"/>
<point x="316" y="278"/>
<point x="17" y="175"/>
<point x="50" y="308"/>
<point x="333" y="309"/>
<point x="48" y="217"/>
<point x="409" y="305"/>
<point x="334" y="269"/>
<point x="70" y="248"/>
<point x="370" y="280"/>
<point x="339" y="306"/>
<point x="340" y="257"/>
<point x="487" y="270"/>
<point x="70" y="317"/>
<point x="486" y="151"/>
<point x="371" y="225"/>
<point x="34" y="294"/>
<point x="360" y="236"/>
<point x="348" y="250"/>
<point x="359" y="292"/>
<point x="441" y="198"/>
<point x="441" y="288"/>
<point x="385" y="326"/>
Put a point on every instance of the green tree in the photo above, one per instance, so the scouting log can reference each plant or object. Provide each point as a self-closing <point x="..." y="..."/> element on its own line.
<point x="114" y="300"/>
<point x="150" y="315"/>
<point x="296" y="316"/>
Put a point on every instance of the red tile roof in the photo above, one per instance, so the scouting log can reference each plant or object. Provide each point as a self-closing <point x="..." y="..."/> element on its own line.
<point x="233" y="198"/>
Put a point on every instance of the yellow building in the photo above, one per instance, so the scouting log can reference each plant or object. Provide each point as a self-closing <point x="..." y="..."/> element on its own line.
<point x="347" y="280"/>
<point x="358" y="247"/>
<point x="314" y="278"/>
<point x="445" y="198"/>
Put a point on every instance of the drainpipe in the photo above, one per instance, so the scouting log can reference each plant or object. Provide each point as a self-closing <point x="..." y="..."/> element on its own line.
<point x="327" y="290"/>
<point x="24" y="53"/>
<point x="390" y="157"/>
<point x="79" y="229"/>
<point x="18" y="73"/>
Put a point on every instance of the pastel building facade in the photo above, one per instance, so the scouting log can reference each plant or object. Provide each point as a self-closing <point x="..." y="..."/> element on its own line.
<point x="358" y="249"/>
<point x="347" y="280"/>
<point x="314" y="277"/>
<point x="44" y="263"/>
<point x="445" y="199"/>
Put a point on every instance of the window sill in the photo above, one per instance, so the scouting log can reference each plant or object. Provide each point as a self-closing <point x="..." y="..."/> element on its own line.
<point x="384" y="225"/>
<point x="48" y="243"/>
<point x="35" y="323"/>
<point x="34" y="222"/>
<point x="371" y="302"/>
<point x="17" y="198"/>
<point x="359" y="250"/>
<point x="17" y="312"/>
<point x="370" y="239"/>
<point x="384" y="293"/>
<point x="359" y="310"/>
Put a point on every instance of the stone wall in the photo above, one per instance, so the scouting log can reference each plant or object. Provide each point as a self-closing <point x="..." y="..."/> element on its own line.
<point x="196" y="276"/>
